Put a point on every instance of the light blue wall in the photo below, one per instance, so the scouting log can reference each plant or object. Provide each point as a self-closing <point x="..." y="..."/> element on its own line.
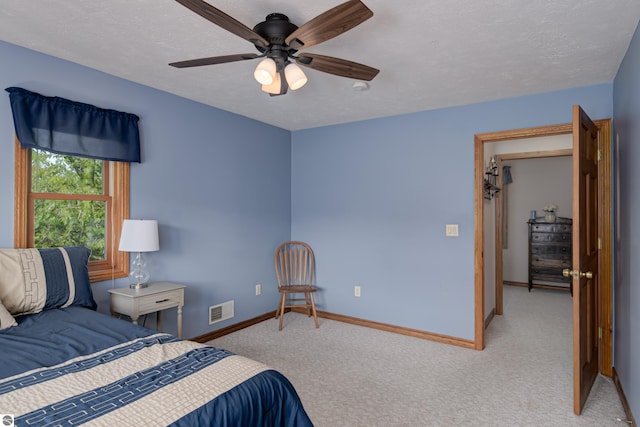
<point x="627" y="248"/>
<point x="372" y="198"/>
<point x="218" y="184"/>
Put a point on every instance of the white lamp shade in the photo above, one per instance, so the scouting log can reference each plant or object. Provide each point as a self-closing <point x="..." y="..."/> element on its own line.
<point x="265" y="71"/>
<point x="295" y="76"/>
<point x="275" y="87"/>
<point x="139" y="235"/>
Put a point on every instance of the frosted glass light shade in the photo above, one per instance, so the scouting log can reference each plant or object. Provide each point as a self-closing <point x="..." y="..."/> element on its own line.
<point x="275" y="87"/>
<point x="265" y="71"/>
<point x="295" y="76"/>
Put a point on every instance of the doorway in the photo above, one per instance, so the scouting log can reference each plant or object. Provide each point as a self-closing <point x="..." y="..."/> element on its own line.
<point x="554" y="187"/>
<point x="604" y="227"/>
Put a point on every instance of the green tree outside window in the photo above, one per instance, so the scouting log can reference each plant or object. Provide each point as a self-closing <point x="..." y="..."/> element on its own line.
<point x="67" y="206"/>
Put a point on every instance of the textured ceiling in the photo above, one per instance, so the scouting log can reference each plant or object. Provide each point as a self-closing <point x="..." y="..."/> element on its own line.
<point x="431" y="53"/>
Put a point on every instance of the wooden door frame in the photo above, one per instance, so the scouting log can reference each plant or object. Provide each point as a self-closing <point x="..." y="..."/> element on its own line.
<point x="605" y="222"/>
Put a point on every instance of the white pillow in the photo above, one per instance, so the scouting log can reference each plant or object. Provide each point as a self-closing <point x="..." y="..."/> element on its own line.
<point x="6" y="319"/>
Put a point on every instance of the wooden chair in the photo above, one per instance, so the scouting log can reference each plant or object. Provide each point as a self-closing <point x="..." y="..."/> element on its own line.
<point x="295" y="264"/>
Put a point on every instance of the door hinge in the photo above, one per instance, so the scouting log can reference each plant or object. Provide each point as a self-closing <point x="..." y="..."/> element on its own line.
<point x="599" y="155"/>
<point x="599" y="242"/>
<point x="600" y="332"/>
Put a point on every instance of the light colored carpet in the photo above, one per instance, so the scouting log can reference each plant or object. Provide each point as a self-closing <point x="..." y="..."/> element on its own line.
<point x="348" y="375"/>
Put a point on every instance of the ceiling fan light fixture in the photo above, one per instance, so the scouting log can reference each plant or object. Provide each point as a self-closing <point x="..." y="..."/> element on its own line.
<point x="265" y="71"/>
<point x="275" y="87"/>
<point x="278" y="40"/>
<point x="295" y="76"/>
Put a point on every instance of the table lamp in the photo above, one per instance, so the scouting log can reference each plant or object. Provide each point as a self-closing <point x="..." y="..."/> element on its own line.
<point x="139" y="235"/>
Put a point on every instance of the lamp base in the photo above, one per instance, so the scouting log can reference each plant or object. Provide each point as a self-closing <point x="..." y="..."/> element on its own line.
<point x="139" y="275"/>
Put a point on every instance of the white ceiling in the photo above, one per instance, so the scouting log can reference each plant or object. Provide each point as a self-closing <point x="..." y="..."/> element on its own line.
<point x="431" y="53"/>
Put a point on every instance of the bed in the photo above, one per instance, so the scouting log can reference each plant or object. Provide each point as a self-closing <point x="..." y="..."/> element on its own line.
<point x="65" y="364"/>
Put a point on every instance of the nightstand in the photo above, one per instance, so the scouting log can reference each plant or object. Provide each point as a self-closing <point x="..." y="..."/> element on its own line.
<point x="154" y="298"/>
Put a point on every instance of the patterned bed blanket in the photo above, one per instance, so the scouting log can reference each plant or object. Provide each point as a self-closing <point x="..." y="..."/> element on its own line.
<point x="147" y="380"/>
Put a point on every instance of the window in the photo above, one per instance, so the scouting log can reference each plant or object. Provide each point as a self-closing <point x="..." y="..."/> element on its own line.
<point x="65" y="200"/>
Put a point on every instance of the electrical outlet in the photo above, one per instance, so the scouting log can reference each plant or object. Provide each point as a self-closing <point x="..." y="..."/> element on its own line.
<point x="452" y="230"/>
<point x="258" y="289"/>
<point x="356" y="291"/>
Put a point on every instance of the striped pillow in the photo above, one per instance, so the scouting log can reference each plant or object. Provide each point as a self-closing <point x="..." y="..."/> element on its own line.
<point x="33" y="280"/>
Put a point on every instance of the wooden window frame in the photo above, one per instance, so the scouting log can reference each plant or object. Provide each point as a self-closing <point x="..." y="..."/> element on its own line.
<point x="116" y="176"/>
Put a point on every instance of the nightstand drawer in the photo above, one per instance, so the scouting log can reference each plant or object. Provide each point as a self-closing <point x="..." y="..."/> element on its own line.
<point x="161" y="301"/>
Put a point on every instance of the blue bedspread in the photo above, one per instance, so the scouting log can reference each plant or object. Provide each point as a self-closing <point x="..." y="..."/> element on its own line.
<point x="73" y="366"/>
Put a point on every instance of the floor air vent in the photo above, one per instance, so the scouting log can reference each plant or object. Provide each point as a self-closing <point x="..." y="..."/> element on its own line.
<point x="220" y="312"/>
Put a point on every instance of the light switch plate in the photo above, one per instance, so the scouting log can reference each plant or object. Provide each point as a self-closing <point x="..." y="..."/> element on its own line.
<point x="452" y="230"/>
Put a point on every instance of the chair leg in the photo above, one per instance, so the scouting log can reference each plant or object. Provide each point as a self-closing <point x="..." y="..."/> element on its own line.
<point x="279" y="305"/>
<point x="282" y="304"/>
<point x="307" y="304"/>
<point x="313" y="307"/>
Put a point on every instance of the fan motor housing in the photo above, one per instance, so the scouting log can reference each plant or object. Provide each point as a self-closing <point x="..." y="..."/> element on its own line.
<point x="275" y="29"/>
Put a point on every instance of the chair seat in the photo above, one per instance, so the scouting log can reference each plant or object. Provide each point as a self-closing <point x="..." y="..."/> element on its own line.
<point x="296" y="289"/>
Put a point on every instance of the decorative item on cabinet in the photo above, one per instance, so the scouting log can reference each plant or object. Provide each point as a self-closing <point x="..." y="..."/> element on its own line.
<point x="550" y="251"/>
<point x="490" y="178"/>
<point x="550" y="212"/>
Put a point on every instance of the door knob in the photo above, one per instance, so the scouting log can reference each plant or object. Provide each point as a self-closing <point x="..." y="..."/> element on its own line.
<point x="577" y="274"/>
<point x="588" y="274"/>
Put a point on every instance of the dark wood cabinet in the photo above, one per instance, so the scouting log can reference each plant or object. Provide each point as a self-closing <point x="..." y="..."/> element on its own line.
<point x="550" y="246"/>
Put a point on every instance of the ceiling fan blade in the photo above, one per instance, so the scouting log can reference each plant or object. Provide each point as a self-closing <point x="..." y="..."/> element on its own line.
<point x="214" y="60"/>
<point x="337" y="66"/>
<point x="225" y="21"/>
<point x="329" y="24"/>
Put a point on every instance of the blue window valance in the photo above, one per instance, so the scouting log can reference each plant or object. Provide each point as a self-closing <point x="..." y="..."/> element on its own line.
<point x="62" y="126"/>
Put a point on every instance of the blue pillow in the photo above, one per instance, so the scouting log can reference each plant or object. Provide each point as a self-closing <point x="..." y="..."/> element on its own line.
<point x="32" y="280"/>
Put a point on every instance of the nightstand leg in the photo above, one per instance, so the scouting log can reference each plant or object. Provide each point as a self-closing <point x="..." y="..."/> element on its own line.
<point x="179" y="321"/>
<point x="134" y="320"/>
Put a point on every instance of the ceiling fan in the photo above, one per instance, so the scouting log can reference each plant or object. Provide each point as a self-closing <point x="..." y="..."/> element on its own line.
<point x="278" y="41"/>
